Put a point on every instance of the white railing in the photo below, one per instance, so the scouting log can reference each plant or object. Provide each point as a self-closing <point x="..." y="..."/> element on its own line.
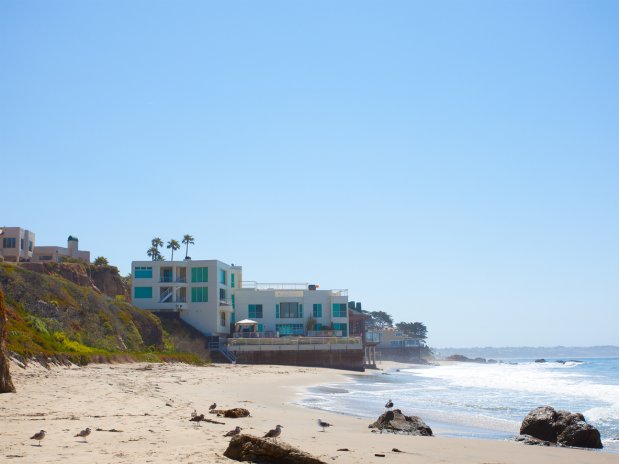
<point x="274" y="286"/>
<point x="251" y="284"/>
<point x="296" y="341"/>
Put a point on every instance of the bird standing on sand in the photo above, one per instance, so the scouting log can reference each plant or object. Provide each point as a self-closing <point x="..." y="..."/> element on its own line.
<point x="274" y="433"/>
<point x="197" y="419"/>
<point x="389" y="404"/>
<point x="323" y="424"/>
<point x="212" y="406"/>
<point x="233" y="433"/>
<point x="38" y="436"/>
<point x="84" y="433"/>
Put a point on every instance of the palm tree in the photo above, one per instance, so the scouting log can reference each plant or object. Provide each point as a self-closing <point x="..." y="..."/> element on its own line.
<point x="153" y="253"/>
<point x="187" y="240"/>
<point x="157" y="242"/>
<point x="173" y="245"/>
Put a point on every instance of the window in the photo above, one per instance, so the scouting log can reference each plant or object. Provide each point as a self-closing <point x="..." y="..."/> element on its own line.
<point x="143" y="272"/>
<point x="222" y="318"/>
<point x="222" y="276"/>
<point x="9" y="242"/>
<point x="289" y="329"/>
<point x="199" y="294"/>
<point x="339" y="310"/>
<point x="232" y="298"/>
<point x="21" y="244"/>
<point x="232" y="279"/>
<point x="143" y="292"/>
<point x="45" y="258"/>
<point x="254" y="311"/>
<point x="289" y="310"/>
<point x="342" y="327"/>
<point x="199" y="274"/>
<point x="166" y="274"/>
<point x="29" y="245"/>
<point x="317" y="310"/>
<point x="222" y="293"/>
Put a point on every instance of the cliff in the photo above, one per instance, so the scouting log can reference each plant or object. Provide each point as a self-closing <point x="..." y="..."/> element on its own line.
<point x="58" y="311"/>
<point x="102" y="279"/>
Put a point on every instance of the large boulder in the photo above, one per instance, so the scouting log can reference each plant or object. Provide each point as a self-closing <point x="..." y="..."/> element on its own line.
<point x="395" y="421"/>
<point x="560" y="427"/>
<point x="540" y="423"/>
<point x="254" y="449"/>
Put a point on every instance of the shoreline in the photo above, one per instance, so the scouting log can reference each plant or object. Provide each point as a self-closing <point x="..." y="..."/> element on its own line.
<point x="151" y="404"/>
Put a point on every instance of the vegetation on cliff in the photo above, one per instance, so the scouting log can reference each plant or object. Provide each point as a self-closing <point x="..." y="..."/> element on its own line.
<point x="51" y="316"/>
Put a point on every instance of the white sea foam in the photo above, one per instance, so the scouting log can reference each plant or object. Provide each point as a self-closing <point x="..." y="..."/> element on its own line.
<point x="482" y="400"/>
<point x="554" y="380"/>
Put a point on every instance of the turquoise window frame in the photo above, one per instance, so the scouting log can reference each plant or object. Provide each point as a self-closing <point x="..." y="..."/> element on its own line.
<point x="232" y="279"/>
<point x="341" y="326"/>
<point x="199" y="294"/>
<point x="317" y="310"/>
<point x="339" y="310"/>
<point x="143" y="272"/>
<point x="252" y="311"/>
<point x="199" y="274"/>
<point x="142" y="292"/>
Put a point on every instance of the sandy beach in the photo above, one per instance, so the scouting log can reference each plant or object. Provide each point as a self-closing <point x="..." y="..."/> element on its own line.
<point x="150" y="406"/>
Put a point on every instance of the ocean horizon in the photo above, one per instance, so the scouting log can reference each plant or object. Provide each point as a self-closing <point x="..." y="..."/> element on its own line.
<point x="484" y="401"/>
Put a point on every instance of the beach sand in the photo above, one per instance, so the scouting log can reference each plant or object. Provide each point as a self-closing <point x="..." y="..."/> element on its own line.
<point x="151" y="405"/>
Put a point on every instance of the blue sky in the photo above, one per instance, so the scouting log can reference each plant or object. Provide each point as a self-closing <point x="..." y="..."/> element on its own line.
<point x="454" y="163"/>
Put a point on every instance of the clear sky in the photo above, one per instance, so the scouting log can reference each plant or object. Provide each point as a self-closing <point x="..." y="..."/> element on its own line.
<point x="450" y="162"/>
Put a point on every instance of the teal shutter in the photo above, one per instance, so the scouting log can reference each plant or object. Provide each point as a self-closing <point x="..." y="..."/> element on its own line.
<point x="300" y="310"/>
<point x="277" y="311"/>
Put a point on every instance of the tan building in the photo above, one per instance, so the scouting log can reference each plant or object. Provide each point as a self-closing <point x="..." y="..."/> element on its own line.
<point x="16" y="244"/>
<point x="56" y="253"/>
<point x="394" y="338"/>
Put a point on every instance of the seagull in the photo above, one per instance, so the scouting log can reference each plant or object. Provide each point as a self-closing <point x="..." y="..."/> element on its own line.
<point x="197" y="419"/>
<point x="212" y="406"/>
<point x="323" y="424"/>
<point x="274" y="433"/>
<point x="84" y="433"/>
<point x="389" y="404"/>
<point x="233" y="433"/>
<point x="38" y="436"/>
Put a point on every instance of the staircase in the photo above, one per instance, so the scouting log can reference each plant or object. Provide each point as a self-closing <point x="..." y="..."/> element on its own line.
<point x="218" y="347"/>
<point x="166" y="296"/>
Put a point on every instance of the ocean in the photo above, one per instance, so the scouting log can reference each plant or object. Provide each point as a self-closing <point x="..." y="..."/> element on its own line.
<point x="485" y="401"/>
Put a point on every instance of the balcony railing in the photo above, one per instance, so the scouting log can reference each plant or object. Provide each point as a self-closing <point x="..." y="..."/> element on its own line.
<point x="274" y="286"/>
<point x="255" y="335"/>
<point x="295" y="341"/>
<point x="251" y="284"/>
<point x="170" y="279"/>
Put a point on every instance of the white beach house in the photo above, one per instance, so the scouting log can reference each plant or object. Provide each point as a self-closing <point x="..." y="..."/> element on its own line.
<point x="293" y="309"/>
<point x="201" y="291"/>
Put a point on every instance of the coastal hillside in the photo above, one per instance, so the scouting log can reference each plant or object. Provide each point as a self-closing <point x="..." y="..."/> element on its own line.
<point x="51" y="316"/>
